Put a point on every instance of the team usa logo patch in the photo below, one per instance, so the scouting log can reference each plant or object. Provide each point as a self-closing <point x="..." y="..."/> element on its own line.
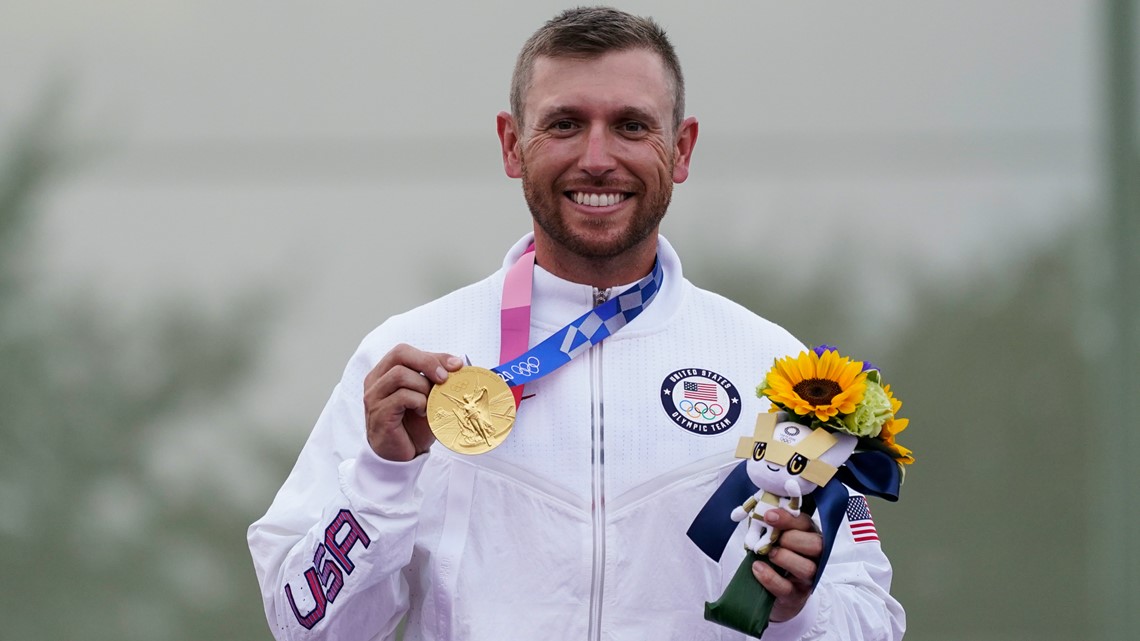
<point x="700" y="401"/>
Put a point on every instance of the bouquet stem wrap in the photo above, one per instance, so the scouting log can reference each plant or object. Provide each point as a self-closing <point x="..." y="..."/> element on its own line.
<point x="745" y="605"/>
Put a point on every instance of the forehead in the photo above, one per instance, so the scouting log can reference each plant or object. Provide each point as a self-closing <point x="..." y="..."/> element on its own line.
<point x="616" y="80"/>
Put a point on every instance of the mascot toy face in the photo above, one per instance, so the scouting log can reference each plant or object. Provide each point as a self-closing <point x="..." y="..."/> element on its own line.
<point x="785" y="460"/>
<point x="789" y="459"/>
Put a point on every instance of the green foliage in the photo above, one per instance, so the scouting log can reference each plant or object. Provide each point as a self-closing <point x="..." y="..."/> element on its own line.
<point x="97" y="540"/>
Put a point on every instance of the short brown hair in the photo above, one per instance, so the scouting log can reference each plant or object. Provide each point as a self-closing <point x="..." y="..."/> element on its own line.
<point x="589" y="32"/>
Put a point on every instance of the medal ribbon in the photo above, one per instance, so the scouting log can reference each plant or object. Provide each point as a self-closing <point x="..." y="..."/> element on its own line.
<point x="520" y="366"/>
<point x="514" y="314"/>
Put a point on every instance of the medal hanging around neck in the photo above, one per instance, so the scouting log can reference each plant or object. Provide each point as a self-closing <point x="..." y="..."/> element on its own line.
<point x="474" y="409"/>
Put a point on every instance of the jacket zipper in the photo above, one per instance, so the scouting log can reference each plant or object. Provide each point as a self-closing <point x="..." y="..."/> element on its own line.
<point x="597" y="464"/>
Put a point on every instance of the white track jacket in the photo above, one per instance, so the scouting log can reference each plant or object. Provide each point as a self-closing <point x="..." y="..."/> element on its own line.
<point x="573" y="528"/>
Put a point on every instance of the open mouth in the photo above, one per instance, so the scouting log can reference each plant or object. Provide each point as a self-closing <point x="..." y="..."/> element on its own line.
<point x="595" y="199"/>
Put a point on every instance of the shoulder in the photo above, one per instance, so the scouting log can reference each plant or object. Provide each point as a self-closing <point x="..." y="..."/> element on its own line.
<point x="442" y="313"/>
<point x="715" y="310"/>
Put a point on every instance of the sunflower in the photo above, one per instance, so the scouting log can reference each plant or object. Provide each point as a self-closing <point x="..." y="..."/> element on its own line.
<point x="893" y="427"/>
<point x="821" y="384"/>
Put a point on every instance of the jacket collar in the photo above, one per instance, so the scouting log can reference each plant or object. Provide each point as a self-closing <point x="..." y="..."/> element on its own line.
<point x="555" y="302"/>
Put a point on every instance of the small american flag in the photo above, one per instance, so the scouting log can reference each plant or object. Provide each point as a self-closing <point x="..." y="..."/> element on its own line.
<point x="859" y="520"/>
<point x="700" y="391"/>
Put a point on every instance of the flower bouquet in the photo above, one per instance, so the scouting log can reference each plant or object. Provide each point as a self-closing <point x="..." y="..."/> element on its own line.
<point x="832" y="423"/>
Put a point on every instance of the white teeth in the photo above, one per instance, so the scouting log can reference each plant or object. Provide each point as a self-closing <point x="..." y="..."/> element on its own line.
<point x="596" y="200"/>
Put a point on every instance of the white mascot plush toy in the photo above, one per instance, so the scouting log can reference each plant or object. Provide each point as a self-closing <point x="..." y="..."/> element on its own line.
<point x="786" y="460"/>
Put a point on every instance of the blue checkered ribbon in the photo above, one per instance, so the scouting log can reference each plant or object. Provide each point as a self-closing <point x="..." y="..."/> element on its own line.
<point x="583" y="333"/>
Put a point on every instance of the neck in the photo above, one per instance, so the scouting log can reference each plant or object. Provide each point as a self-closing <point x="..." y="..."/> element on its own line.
<point x="600" y="272"/>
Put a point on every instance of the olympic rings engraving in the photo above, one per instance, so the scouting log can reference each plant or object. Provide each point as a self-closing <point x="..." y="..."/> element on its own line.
<point x="529" y="367"/>
<point x="700" y="409"/>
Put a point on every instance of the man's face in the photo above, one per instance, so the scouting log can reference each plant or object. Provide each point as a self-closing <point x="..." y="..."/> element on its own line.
<point x="597" y="151"/>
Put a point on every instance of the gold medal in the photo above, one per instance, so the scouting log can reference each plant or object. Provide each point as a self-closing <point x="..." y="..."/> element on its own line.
<point x="472" y="411"/>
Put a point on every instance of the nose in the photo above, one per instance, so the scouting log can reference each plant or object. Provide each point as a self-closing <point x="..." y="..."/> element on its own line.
<point x="598" y="155"/>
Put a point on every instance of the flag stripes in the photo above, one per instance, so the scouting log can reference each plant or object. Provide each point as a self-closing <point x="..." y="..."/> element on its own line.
<point x="859" y="520"/>
<point x="701" y="391"/>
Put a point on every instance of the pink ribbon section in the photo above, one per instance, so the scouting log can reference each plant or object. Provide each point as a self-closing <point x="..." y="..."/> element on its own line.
<point x="514" y="314"/>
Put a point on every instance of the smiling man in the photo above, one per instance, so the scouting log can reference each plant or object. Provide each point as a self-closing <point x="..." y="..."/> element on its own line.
<point x="550" y="496"/>
<point x="598" y="147"/>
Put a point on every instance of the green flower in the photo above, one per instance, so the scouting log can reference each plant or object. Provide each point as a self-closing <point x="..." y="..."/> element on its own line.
<point x="761" y="387"/>
<point x="870" y="413"/>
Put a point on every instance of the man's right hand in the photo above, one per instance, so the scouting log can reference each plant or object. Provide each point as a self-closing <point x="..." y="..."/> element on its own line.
<point x="395" y="400"/>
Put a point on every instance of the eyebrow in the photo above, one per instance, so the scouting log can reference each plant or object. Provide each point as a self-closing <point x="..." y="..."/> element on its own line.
<point x="637" y="113"/>
<point x="628" y="112"/>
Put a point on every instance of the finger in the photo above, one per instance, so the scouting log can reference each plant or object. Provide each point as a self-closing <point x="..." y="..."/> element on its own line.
<point x="407" y="367"/>
<point x="791" y="595"/>
<point x="781" y="519"/>
<point x="419" y="432"/>
<point x="780" y="587"/>
<point x="434" y="365"/>
<point x="399" y="377"/>
<point x="389" y="411"/>
<point x="797" y="565"/>
<point x="397" y="430"/>
<point x="808" y="544"/>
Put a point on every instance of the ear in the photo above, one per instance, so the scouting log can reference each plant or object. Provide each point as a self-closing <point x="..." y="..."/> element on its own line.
<point x="683" y="151"/>
<point x="509" y="140"/>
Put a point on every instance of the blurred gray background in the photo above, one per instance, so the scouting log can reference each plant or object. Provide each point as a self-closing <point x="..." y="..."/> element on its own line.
<point x="204" y="206"/>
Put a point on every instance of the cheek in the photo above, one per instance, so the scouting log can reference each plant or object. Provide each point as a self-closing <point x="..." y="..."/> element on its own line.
<point x="531" y="154"/>
<point x="662" y="160"/>
<point x="543" y="149"/>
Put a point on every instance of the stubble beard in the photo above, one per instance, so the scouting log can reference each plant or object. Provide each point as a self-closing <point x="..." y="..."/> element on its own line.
<point x="545" y="208"/>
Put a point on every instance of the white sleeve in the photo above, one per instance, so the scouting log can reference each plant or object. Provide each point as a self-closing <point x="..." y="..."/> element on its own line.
<point x="853" y="600"/>
<point x="329" y="552"/>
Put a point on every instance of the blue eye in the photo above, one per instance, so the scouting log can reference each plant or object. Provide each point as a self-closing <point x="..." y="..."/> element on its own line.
<point x="758" y="451"/>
